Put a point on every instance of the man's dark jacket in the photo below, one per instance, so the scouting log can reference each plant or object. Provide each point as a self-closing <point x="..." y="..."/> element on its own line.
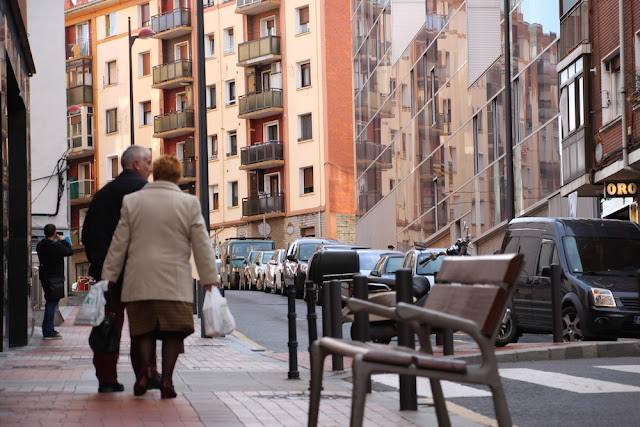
<point x="51" y="257"/>
<point x="103" y="216"/>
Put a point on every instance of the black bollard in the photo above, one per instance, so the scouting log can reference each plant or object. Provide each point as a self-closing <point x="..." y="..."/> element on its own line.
<point x="293" y="343"/>
<point x="556" y="303"/>
<point x="406" y="338"/>
<point x="326" y="310"/>
<point x="311" y="313"/>
<point x="337" y="363"/>
<point x="360" y="327"/>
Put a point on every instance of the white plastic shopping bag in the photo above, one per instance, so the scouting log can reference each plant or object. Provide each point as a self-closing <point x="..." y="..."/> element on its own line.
<point x="218" y="320"/>
<point x="92" y="309"/>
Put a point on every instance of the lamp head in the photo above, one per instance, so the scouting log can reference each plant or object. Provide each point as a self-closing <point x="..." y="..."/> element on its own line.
<point x="145" y="33"/>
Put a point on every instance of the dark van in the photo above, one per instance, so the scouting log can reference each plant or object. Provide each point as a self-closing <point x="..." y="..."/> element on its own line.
<point x="599" y="259"/>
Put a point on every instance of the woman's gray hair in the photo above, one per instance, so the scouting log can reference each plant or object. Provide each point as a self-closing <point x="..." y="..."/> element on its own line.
<point x="132" y="153"/>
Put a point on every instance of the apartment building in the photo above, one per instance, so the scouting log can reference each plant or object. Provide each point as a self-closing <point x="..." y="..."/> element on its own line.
<point x="429" y="119"/>
<point x="599" y="69"/>
<point x="278" y="107"/>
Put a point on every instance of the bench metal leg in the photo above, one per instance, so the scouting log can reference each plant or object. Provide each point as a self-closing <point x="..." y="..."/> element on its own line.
<point x="317" y="367"/>
<point x="500" y="403"/>
<point x="439" y="403"/>
<point x="361" y="377"/>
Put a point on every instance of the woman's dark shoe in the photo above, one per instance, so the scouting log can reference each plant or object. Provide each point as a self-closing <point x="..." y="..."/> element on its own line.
<point x="154" y="383"/>
<point x="110" y="387"/>
<point x="142" y="383"/>
<point x="166" y="390"/>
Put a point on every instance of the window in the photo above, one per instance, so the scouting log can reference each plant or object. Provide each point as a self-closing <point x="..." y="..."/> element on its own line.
<point x="182" y="51"/>
<point x="268" y="27"/>
<point x="232" y="143"/>
<point x="144" y="64"/>
<point x="145" y="15"/>
<point x="230" y="92"/>
<point x="271" y="132"/>
<point x="207" y="3"/>
<point x="304" y="127"/>
<point x="112" y="120"/>
<point x="229" y="41"/>
<point x="306" y="180"/>
<point x="212" y="147"/>
<point x="211" y="97"/>
<point x="110" y="73"/>
<point x="572" y="97"/>
<point x="112" y="167"/>
<point x="302" y="20"/>
<point x="110" y="24"/>
<point x="232" y="190"/>
<point x="214" y="198"/>
<point x="145" y="113"/>
<point x="209" y="46"/>
<point x="611" y="85"/>
<point x="304" y="75"/>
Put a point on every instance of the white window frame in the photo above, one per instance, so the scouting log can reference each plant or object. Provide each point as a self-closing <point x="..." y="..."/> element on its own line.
<point x="109" y="168"/>
<point x="108" y="80"/>
<point x="141" y="64"/>
<point x="264" y="31"/>
<point x="265" y="131"/>
<point x="230" y="194"/>
<point x="180" y="150"/>
<point x="214" y="189"/>
<point x="140" y="22"/>
<point x="267" y="182"/>
<point x="300" y="76"/>
<point x="181" y="98"/>
<point x="210" y="153"/>
<point x="211" y="101"/>
<point x="303" y="29"/>
<point x="141" y="114"/>
<point x="611" y="102"/>
<point x="110" y="28"/>
<point x="301" y="179"/>
<point x="300" y="135"/>
<point x="229" y="40"/>
<point x="177" y="48"/>
<point x="230" y="135"/>
<point x="229" y="94"/>
<point x="107" y="129"/>
<point x="210" y="45"/>
<point x="81" y="169"/>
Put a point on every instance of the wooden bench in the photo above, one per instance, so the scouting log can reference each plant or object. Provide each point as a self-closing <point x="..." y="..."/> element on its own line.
<point x="473" y="301"/>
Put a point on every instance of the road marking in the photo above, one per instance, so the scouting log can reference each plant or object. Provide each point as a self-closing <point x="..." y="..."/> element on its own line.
<point x="248" y="340"/>
<point x="566" y="382"/>
<point x="423" y="388"/>
<point x="634" y="369"/>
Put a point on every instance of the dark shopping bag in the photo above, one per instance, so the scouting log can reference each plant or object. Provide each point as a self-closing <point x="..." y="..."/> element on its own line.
<point x="55" y="289"/>
<point x="104" y="337"/>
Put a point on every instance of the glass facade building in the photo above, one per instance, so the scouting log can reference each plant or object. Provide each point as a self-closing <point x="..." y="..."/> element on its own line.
<point x="430" y="117"/>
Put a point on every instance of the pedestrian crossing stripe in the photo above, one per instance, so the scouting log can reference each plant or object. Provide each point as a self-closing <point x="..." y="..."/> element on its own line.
<point x="556" y="380"/>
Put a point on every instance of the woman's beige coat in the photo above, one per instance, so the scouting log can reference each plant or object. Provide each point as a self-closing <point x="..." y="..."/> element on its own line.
<point x="159" y="226"/>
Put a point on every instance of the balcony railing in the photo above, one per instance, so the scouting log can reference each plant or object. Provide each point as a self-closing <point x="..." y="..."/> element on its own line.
<point x="80" y="95"/>
<point x="369" y="151"/>
<point x="189" y="168"/>
<point x="574" y="29"/>
<point x="80" y="189"/>
<point x="260" y="104"/>
<point x="173" y="124"/>
<point x="173" y="74"/>
<point x="78" y="49"/>
<point x="262" y="156"/>
<point x="263" y="204"/>
<point x="254" y="7"/>
<point x="261" y="51"/>
<point x="173" y="19"/>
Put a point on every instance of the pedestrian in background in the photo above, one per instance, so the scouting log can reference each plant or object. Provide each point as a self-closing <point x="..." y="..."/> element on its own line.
<point x="51" y="253"/>
<point x="99" y="224"/>
<point x="159" y="228"/>
<point x="390" y="247"/>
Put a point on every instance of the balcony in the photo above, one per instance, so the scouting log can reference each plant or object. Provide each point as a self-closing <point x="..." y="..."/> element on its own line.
<point x="173" y="75"/>
<point x="188" y="171"/>
<point x="172" y="24"/>
<point x="262" y="156"/>
<point x="574" y="29"/>
<point x="79" y="49"/>
<point x="257" y="105"/>
<point x="259" y="52"/>
<point x="264" y="204"/>
<point x="255" y="7"/>
<point x="76" y="236"/>
<point x="174" y="124"/>
<point x="80" y="132"/>
<point x="367" y="152"/>
<point x="80" y="191"/>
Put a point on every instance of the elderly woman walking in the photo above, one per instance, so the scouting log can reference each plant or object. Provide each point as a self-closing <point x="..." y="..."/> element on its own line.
<point x="159" y="227"/>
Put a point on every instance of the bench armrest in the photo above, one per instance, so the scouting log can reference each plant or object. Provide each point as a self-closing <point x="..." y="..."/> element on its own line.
<point x="357" y="305"/>
<point x="433" y="318"/>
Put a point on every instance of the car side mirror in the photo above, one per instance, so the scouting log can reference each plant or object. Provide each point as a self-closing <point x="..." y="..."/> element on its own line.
<point x="375" y="273"/>
<point x="546" y="271"/>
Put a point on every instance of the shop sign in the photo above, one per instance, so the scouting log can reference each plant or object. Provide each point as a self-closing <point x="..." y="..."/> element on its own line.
<point x="621" y="189"/>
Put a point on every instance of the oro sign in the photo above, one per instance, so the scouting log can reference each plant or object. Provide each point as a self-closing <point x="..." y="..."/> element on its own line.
<point x="621" y="189"/>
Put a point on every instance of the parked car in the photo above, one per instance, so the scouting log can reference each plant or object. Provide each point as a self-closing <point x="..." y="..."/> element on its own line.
<point x="257" y="268"/>
<point x="368" y="258"/>
<point x="273" y="273"/>
<point x="233" y="252"/>
<point x="387" y="265"/>
<point x="599" y="261"/>
<point x="424" y="262"/>
<point x="295" y="264"/>
<point x="245" y="275"/>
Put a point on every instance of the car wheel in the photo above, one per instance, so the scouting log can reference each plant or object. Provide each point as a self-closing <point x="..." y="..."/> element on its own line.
<point x="508" y="332"/>
<point x="571" y="325"/>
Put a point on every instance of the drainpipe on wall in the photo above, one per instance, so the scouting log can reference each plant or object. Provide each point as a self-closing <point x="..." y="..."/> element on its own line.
<point x="623" y="91"/>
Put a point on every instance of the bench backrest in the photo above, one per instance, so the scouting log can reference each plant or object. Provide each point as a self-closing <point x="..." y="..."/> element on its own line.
<point x="477" y="288"/>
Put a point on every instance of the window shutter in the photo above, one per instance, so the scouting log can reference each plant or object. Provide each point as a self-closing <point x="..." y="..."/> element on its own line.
<point x="304" y="15"/>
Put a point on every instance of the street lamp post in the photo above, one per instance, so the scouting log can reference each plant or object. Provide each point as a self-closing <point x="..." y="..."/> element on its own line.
<point x="143" y="34"/>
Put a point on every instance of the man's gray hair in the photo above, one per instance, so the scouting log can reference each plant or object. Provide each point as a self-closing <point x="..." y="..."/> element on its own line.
<point x="132" y="153"/>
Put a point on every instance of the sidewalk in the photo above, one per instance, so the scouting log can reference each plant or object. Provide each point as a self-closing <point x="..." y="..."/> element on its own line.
<point x="221" y="382"/>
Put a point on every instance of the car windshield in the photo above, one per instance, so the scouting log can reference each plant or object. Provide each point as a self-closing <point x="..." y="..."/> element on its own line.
<point x="240" y="250"/>
<point x="429" y="267"/>
<point x="252" y="256"/>
<point x="613" y="256"/>
<point x="266" y="256"/>
<point x="394" y="264"/>
<point x="368" y="260"/>
<point x="306" y="249"/>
